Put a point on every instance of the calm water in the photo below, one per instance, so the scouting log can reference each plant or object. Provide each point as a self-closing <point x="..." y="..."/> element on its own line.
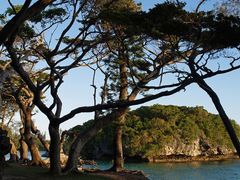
<point x="219" y="170"/>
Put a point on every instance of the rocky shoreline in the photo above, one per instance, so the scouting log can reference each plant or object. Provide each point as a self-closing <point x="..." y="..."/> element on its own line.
<point x="198" y="150"/>
<point x="183" y="158"/>
<point x="177" y="158"/>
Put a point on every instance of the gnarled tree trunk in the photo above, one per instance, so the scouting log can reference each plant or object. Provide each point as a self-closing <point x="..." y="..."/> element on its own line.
<point x="36" y="157"/>
<point x="23" y="145"/>
<point x="40" y="137"/>
<point x="54" y="152"/>
<point x="84" y="137"/>
<point x="23" y="150"/>
<point x="13" y="153"/>
<point x="118" y="163"/>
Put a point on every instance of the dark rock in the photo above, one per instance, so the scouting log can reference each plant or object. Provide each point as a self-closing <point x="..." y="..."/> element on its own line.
<point x="5" y="145"/>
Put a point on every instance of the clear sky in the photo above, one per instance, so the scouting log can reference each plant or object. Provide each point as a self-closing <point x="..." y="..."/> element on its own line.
<point x="76" y="93"/>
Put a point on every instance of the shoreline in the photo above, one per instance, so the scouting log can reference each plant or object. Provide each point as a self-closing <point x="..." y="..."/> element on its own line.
<point x="183" y="158"/>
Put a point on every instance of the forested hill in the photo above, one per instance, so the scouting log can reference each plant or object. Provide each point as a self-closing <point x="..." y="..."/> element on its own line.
<point x="156" y="131"/>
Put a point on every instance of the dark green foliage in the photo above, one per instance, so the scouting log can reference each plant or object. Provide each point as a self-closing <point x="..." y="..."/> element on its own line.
<point x="12" y="12"/>
<point x="220" y="31"/>
<point x="206" y="29"/>
<point x="26" y="31"/>
<point x="172" y="23"/>
<point x="2" y="18"/>
<point x="50" y="15"/>
<point x="149" y="129"/>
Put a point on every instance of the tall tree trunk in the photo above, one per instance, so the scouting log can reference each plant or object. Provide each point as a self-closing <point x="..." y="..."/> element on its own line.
<point x="23" y="145"/>
<point x="54" y="152"/>
<point x="36" y="157"/>
<point x="118" y="163"/>
<point x="13" y="152"/>
<point x="84" y="137"/>
<point x="227" y="123"/>
<point x="23" y="150"/>
<point x="118" y="149"/>
<point x="62" y="140"/>
<point x="40" y="137"/>
<point x="74" y="153"/>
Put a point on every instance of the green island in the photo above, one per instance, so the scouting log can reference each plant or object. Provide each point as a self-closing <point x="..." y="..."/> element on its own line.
<point x="165" y="133"/>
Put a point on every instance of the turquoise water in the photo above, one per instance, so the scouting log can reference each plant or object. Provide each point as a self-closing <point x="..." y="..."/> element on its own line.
<point x="219" y="170"/>
<point x="29" y="155"/>
<point x="213" y="170"/>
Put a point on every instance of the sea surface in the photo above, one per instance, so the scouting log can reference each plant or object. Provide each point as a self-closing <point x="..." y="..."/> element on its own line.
<point x="219" y="170"/>
<point x="211" y="170"/>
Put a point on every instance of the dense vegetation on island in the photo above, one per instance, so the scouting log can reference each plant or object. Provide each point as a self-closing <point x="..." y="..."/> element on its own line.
<point x="148" y="130"/>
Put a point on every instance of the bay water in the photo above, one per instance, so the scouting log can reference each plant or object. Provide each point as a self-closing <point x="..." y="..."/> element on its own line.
<point x="211" y="170"/>
<point x="208" y="170"/>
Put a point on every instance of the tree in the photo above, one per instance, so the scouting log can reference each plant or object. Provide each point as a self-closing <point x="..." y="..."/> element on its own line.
<point x="76" y="51"/>
<point x="4" y="75"/>
<point x="27" y="11"/>
<point x="64" y="48"/>
<point x="120" y="50"/>
<point x="26" y="108"/>
<point x="215" y="33"/>
<point x="154" y="21"/>
<point x="15" y="88"/>
<point x="7" y="114"/>
<point x="215" y="99"/>
<point x="19" y="94"/>
<point x="128" y="70"/>
<point x="8" y="109"/>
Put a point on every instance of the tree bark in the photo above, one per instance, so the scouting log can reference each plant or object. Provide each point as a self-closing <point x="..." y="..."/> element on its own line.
<point x="118" y="164"/>
<point x="54" y="152"/>
<point x="40" y="137"/>
<point x="118" y="149"/>
<point x="62" y="140"/>
<point x="36" y="157"/>
<point x="13" y="152"/>
<point x="84" y="137"/>
<point x="23" y="145"/>
<point x="23" y="150"/>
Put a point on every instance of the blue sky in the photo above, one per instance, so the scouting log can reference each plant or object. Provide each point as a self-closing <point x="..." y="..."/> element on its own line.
<point x="190" y="4"/>
<point x="76" y="93"/>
